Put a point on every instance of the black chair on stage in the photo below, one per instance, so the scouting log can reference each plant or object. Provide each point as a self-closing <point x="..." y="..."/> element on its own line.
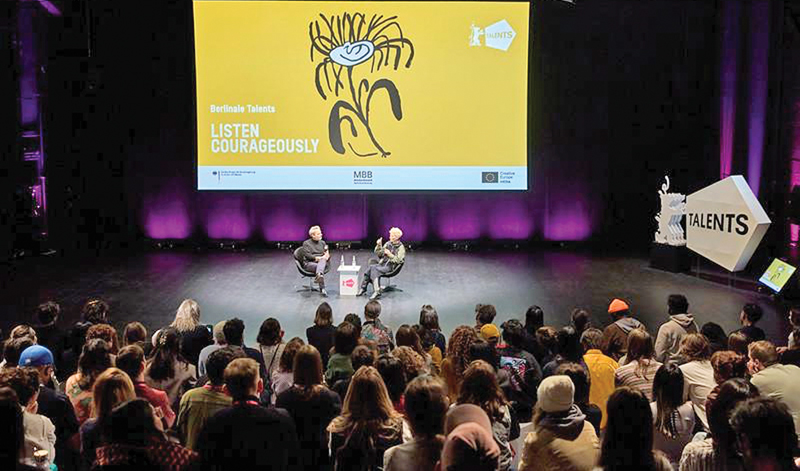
<point x="298" y="262"/>
<point x="391" y="274"/>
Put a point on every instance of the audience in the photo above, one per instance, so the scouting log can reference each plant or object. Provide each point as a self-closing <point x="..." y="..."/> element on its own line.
<point x="546" y="336"/>
<point x="469" y="444"/>
<point x="39" y="431"/>
<point x="312" y="406"/>
<point x="579" y="319"/>
<point x="484" y="314"/>
<point x="640" y="370"/>
<point x="234" y="335"/>
<point x="112" y="387"/>
<point x="271" y="344"/>
<point x="717" y="338"/>
<point x="738" y="342"/>
<point x="107" y="333"/>
<point x="719" y="451"/>
<point x="374" y="331"/>
<point x="750" y="315"/>
<point x="131" y="361"/>
<point x="345" y="341"/>
<point x="200" y="404"/>
<point x="168" y="370"/>
<point x="394" y="377"/>
<point x="48" y="333"/>
<point x="95" y="359"/>
<point x="790" y="355"/>
<point x="534" y="320"/>
<point x="727" y="365"/>
<point x="12" y="349"/>
<point x="361" y="356"/>
<point x="673" y="416"/>
<point x="568" y="350"/>
<point x="457" y="358"/>
<point x="780" y="382"/>
<point x="135" y="333"/>
<point x="193" y="335"/>
<point x="246" y="435"/>
<point x="524" y="371"/>
<point x="480" y="388"/>
<point x="670" y="334"/>
<point x="628" y="439"/>
<point x="321" y="334"/>
<point x="283" y="378"/>
<point x="367" y="426"/>
<point x="616" y="334"/>
<point x="601" y="368"/>
<point x="429" y="318"/>
<point x="407" y="337"/>
<point x="133" y="439"/>
<point x="219" y="342"/>
<point x="426" y="404"/>
<point x="698" y="374"/>
<point x="580" y="382"/>
<point x="12" y="447"/>
<point x="767" y="437"/>
<point x="429" y="346"/>
<point x="562" y="439"/>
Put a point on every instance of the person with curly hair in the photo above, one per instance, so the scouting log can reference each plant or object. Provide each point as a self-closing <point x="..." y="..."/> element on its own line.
<point x="727" y="364"/>
<point x="413" y="364"/>
<point x="457" y="358"/>
<point x="408" y="336"/>
<point x="95" y="358"/>
<point x="107" y="333"/>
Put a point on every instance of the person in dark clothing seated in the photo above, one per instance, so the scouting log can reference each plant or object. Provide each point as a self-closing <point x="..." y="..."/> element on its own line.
<point x="361" y="356"/>
<point x="751" y="313"/>
<point x="312" y="406"/>
<point x="194" y="335"/>
<point x="534" y="320"/>
<point x="48" y="333"/>
<point x="524" y="371"/>
<point x="234" y="335"/>
<point x="95" y="311"/>
<point x="315" y="256"/>
<point x="246" y="435"/>
<point x="320" y="335"/>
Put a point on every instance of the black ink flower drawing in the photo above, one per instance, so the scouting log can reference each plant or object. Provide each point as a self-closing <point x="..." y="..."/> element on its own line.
<point x="343" y="43"/>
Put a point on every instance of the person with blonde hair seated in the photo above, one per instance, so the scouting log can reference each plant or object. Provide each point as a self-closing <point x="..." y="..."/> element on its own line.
<point x="390" y="255"/>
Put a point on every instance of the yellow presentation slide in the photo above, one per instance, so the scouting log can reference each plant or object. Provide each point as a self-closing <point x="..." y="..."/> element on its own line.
<point x="304" y="95"/>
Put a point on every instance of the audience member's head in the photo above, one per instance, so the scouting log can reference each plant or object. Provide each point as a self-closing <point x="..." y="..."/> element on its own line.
<point x="270" y="333"/>
<point x="513" y="333"/>
<point x="133" y="423"/>
<point x="307" y="367"/>
<point x="480" y="387"/>
<point x="135" y="333"/>
<point x="13" y="348"/>
<point x="794" y="321"/>
<point x="490" y="333"/>
<point x="234" y="332"/>
<point x="47" y="313"/>
<point x="485" y="315"/>
<point x="95" y="311"/>
<point x="131" y="360"/>
<point x="353" y="318"/>
<point x="762" y="354"/>
<point x="367" y="401"/>
<point x="640" y="345"/>
<point x="219" y="333"/>
<point x="715" y="334"/>
<point x="187" y="317"/>
<point x="407" y="336"/>
<point x="105" y="332"/>
<point x="731" y="393"/>
<point x="345" y="339"/>
<point x="534" y="318"/>
<point x="629" y="431"/>
<point x="766" y="435"/>
<point x="286" y="363"/>
<point x="738" y="342"/>
<point x="24" y="382"/>
<point x="39" y="358"/>
<point x="362" y="356"/>
<point x="470" y="445"/>
<point x="372" y="310"/>
<point x="218" y="360"/>
<point x="23" y="331"/>
<point x="12" y="444"/>
<point x="394" y="377"/>
<point x="677" y="304"/>
<point x="569" y="344"/>
<point x="727" y="365"/>
<point x="751" y="313"/>
<point x="324" y="315"/>
<point x="426" y="337"/>
<point x="580" y="319"/>
<point x="619" y="309"/>
<point x="694" y="347"/>
<point x="95" y="358"/>
<point x="485" y="351"/>
<point x="242" y="379"/>
<point x="413" y="363"/>
<point x="591" y="339"/>
<point x="112" y="387"/>
<point x="429" y="318"/>
<point x="458" y="347"/>
<point x="580" y="380"/>
<point x="426" y="405"/>
<point x="668" y="394"/>
<point x="556" y="395"/>
<point x="167" y="352"/>
<point x="546" y="336"/>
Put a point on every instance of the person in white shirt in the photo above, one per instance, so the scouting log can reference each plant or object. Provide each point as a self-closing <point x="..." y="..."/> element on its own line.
<point x="698" y="374"/>
<point x="40" y="433"/>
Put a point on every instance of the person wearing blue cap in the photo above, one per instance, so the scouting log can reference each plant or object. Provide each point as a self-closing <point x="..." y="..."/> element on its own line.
<point x="53" y="404"/>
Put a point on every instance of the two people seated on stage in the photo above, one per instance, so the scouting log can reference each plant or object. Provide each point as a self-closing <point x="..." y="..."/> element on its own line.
<point x="389" y="256"/>
<point x="315" y="256"/>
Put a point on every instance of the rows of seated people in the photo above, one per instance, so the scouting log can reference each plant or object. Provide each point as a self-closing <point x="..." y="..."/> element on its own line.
<point x="360" y="396"/>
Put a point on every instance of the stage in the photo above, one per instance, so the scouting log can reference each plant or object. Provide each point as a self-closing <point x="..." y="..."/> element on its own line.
<point x="253" y="285"/>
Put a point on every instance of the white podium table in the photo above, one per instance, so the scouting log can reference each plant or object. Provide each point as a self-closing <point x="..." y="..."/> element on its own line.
<point x="348" y="279"/>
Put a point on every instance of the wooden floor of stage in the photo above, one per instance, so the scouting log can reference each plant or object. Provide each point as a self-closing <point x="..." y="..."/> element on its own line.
<point x="148" y="286"/>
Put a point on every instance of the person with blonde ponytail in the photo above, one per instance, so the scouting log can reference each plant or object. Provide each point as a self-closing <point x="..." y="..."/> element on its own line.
<point x="194" y="336"/>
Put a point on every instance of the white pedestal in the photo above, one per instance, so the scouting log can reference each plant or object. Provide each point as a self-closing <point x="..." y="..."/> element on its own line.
<point x="348" y="279"/>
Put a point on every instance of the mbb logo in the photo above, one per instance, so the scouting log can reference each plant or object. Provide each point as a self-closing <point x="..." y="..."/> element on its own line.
<point x="359" y="174"/>
<point x="349" y="283"/>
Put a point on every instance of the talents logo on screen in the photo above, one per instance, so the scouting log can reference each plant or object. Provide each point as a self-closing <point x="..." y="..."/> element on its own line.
<point x="499" y="35"/>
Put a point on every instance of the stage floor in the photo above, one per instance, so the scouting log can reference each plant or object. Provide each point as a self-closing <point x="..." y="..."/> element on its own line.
<point x="257" y="284"/>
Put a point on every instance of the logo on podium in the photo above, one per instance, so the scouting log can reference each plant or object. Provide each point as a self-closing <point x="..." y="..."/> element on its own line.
<point x="349" y="283"/>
